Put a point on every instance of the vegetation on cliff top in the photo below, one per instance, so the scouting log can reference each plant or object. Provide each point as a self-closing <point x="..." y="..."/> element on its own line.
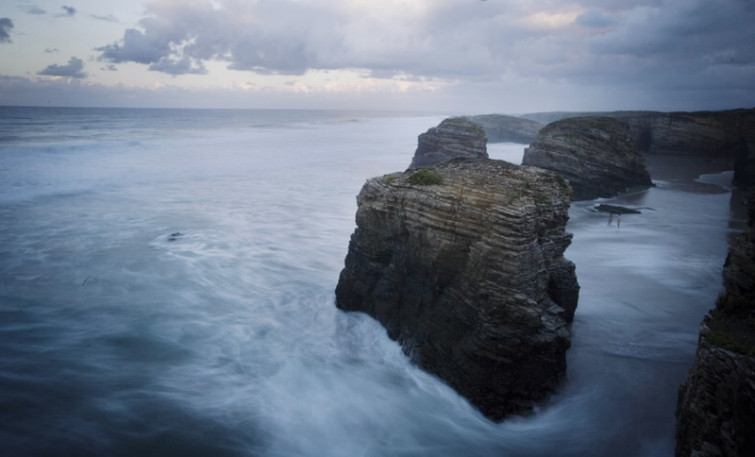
<point x="425" y="177"/>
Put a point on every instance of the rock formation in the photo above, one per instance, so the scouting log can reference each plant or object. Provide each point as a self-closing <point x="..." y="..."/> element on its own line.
<point x="452" y="138"/>
<point x="711" y="134"/>
<point x="700" y="134"/>
<point x="468" y="274"/>
<point x="744" y="164"/>
<point x="716" y="408"/>
<point x="744" y="160"/>
<point x="500" y="128"/>
<point x="596" y="154"/>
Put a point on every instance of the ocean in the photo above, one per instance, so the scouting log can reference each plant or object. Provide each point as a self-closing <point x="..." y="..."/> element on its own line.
<point x="167" y="289"/>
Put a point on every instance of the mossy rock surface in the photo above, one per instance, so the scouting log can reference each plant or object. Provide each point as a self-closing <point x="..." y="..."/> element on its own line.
<point x="425" y="177"/>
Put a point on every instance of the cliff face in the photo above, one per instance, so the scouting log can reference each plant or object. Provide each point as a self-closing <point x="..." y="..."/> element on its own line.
<point x="716" y="407"/>
<point x="452" y="138"/>
<point x="500" y="128"/>
<point x="696" y="134"/>
<point x="713" y="134"/>
<point x="596" y="154"/>
<point x="463" y="264"/>
<point x="744" y="161"/>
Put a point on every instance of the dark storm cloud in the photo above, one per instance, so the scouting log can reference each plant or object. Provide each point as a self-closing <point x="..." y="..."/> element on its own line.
<point x="691" y="42"/>
<point x="654" y="44"/>
<point x="179" y="39"/>
<point x="74" y="69"/>
<point x="5" y="27"/>
<point x="290" y="37"/>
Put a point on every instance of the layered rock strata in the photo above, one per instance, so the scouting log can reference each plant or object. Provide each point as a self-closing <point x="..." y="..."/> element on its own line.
<point x="452" y="138"/>
<point x="468" y="274"/>
<point x="596" y="154"/>
<point x="500" y="128"/>
<point x="716" y="407"/>
<point x="710" y="134"/>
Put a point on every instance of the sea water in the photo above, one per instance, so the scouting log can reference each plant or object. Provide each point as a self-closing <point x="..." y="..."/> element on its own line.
<point x="167" y="288"/>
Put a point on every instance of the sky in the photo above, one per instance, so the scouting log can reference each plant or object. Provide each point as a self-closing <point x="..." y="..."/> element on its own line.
<point x="457" y="56"/>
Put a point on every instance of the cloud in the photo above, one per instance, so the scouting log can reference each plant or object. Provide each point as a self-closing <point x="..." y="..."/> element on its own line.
<point x="68" y="10"/>
<point x="74" y="69"/>
<point x="108" y="18"/>
<point x="595" y="18"/>
<point x="52" y="50"/>
<point x="5" y="26"/>
<point x="651" y="45"/>
<point x="681" y="42"/>
<point x="35" y="10"/>
<point x="291" y="37"/>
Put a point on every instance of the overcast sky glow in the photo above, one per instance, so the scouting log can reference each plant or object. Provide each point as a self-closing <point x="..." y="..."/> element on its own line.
<point x="459" y="56"/>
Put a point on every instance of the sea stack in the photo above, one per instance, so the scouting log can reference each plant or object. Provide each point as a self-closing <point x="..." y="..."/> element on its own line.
<point x="463" y="264"/>
<point x="453" y="138"/>
<point x="596" y="154"/>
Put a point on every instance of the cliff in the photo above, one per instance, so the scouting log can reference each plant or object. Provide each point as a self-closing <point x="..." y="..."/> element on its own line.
<point x="596" y="154"/>
<point x="500" y="128"/>
<point x="712" y="134"/>
<point x="700" y="134"/>
<point x="744" y="161"/>
<point x="452" y="138"/>
<point x="716" y="406"/>
<point x="463" y="264"/>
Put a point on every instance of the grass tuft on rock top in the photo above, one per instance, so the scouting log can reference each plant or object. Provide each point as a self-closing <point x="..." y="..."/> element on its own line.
<point x="425" y="177"/>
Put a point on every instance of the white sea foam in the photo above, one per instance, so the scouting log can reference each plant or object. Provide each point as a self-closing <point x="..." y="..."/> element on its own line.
<point x="169" y="290"/>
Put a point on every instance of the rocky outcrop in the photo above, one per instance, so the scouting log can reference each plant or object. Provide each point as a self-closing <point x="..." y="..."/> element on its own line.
<point x="500" y="128"/>
<point x="454" y="137"/>
<point x="716" y="407"/>
<point x="700" y="134"/>
<point x="463" y="264"/>
<point x="711" y="134"/>
<point x="596" y="154"/>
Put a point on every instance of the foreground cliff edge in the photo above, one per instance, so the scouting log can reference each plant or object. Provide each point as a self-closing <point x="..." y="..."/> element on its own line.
<point x="463" y="264"/>
<point x="716" y="408"/>
<point x="716" y="405"/>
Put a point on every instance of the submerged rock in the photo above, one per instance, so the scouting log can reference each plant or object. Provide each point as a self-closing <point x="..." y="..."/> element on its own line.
<point x="468" y="274"/>
<point x="616" y="209"/>
<point x="596" y="154"/>
<point x="716" y="408"/>
<point x="453" y="138"/>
